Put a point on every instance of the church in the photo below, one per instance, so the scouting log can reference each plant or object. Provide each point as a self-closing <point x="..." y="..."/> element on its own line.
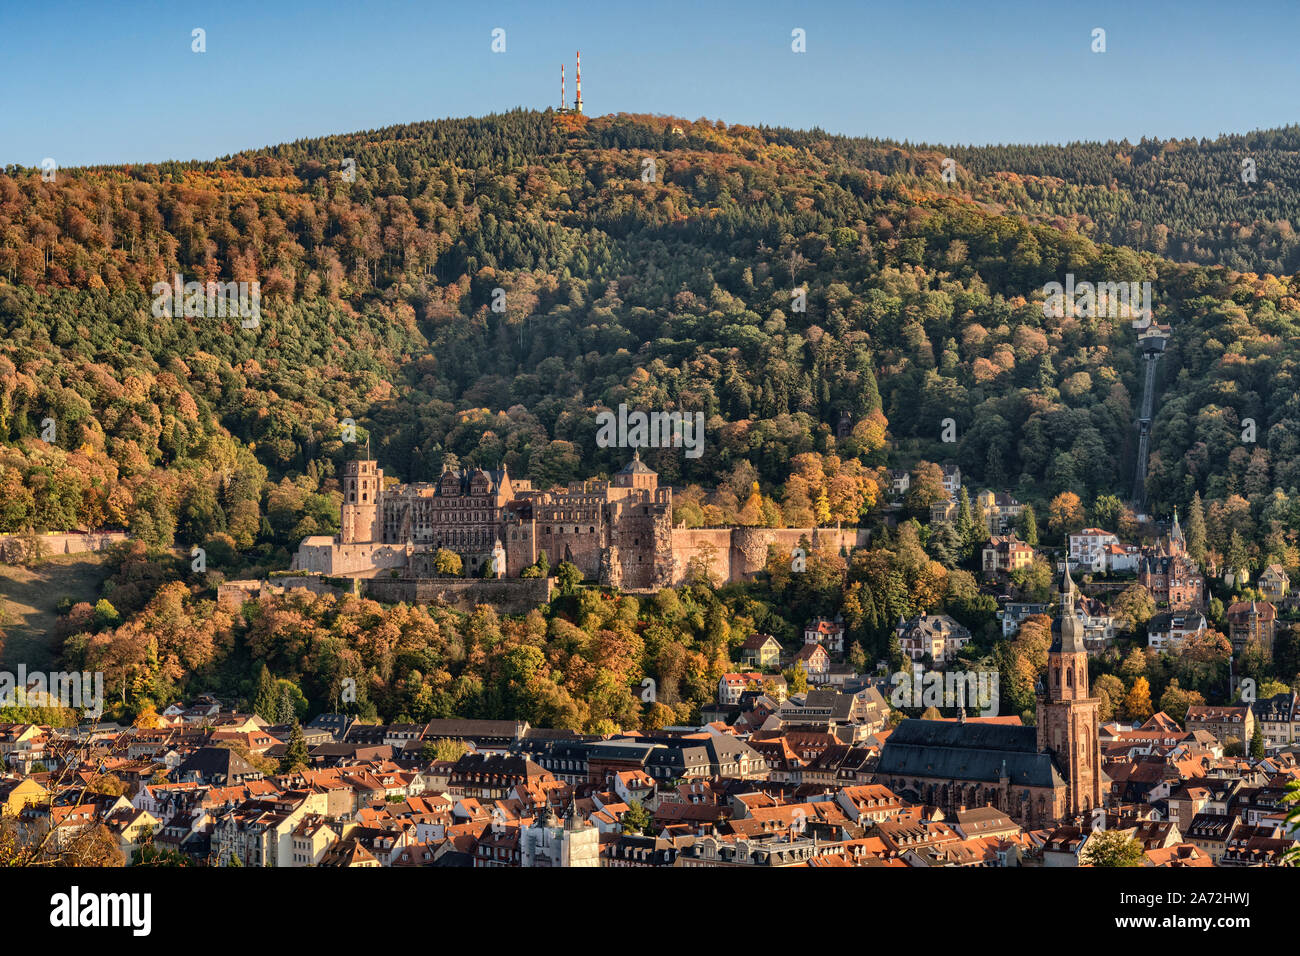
<point x="1039" y="776"/>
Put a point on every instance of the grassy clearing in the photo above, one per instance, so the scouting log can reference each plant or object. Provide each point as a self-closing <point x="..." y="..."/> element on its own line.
<point x="28" y="598"/>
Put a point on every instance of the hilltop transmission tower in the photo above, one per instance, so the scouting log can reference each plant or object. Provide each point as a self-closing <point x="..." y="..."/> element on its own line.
<point x="577" y="93"/>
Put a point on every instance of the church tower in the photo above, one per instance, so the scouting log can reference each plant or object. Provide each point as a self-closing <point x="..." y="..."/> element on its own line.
<point x="1177" y="543"/>
<point x="1067" y="715"/>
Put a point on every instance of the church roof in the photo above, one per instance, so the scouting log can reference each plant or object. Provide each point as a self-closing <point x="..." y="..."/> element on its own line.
<point x="968" y="751"/>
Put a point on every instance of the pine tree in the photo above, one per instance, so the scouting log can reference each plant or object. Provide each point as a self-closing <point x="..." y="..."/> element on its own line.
<point x="896" y="659"/>
<point x="267" y="704"/>
<point x="965" y="521"/>
<point x="636" y="819"/>
<point x="295" y="755"/>
<point x="869" y="396"/>
<point x="1238" y="559"/>
<point x="1029" y="527"/>
<point x="284" y="711"/>
<point x="1257" y="744"/>
<point x="1195" y="533"/>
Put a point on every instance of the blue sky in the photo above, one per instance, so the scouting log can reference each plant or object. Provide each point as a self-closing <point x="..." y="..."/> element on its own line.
<point x="114" y="82"/>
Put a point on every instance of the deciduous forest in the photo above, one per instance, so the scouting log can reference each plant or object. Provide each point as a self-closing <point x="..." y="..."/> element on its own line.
<point x="826" y="302"/>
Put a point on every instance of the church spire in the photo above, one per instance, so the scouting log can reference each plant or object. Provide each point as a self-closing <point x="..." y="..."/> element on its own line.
<point x="1068" y="629"/>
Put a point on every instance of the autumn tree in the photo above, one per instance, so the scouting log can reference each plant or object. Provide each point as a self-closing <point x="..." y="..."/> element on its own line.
<point x="1137" y="704"/>
<point x="1065" y="514"/>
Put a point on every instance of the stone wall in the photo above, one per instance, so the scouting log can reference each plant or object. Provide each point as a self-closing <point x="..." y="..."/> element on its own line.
<point x="231" y="595"/>
<point x="325" y="556"/>
<point x="740" y="553"/>
<point x="713" y="543"/>
<point x="73" y="542"/>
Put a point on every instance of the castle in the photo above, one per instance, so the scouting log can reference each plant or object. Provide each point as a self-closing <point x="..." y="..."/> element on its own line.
<point x="617" y="532"/>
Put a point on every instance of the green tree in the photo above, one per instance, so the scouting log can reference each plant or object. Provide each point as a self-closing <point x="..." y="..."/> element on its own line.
<point x="295" y="755"/>
<point x="1111" y="848"/>
<point x="636" y="819"/>
<point x="896" y="658"/>
<point x="1134" y="608"/>
<point x="442" y="749"/>
<point x="106" y="615"/>
<point x="568" y="577"/>
<point x="1027" y="525"/>
<point x="267" y="702"/>
<point x="447" y="563"/>
<point x="796" y="679"/>
<point x="1106" y="510"/>
<point x="1175" y="701"/>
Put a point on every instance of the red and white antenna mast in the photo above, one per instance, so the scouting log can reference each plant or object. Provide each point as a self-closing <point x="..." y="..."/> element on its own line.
<point x="577" y="103"/>
<point x="561" y="87"/>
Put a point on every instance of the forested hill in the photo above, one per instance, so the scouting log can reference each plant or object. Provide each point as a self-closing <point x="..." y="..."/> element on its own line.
<point x="1229" y="201"/>
<point x="641" y="260"/>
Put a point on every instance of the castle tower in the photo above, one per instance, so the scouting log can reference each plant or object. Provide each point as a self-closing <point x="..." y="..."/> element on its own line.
<point x="1067" y="715"/>
<point x="636" y="474"/>
<point x="363" y="483"/>
<point x="1177" y="543"/>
